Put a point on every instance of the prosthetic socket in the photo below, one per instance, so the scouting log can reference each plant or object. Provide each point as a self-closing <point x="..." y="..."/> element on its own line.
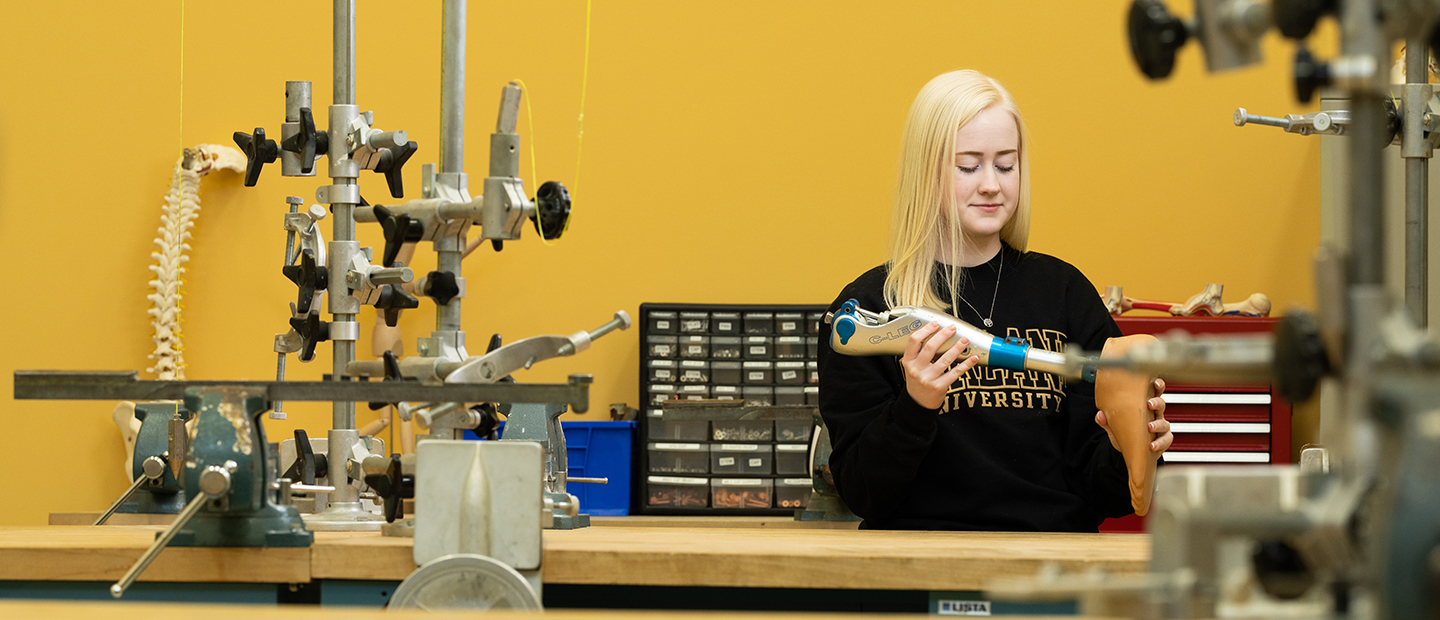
<point x="1120" y="393"/>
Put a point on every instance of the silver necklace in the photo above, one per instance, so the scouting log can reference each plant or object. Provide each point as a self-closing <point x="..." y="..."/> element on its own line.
<point x="1000" y="270"/>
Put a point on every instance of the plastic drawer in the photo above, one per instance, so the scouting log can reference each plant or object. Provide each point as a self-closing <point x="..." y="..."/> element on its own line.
<point x="694" y="371"/>
<point x="796" y="430"/>
<point x="742" y="430"/>
<point x="727" y="373"/>
<point x="679" y="458"/>
<point x="758" y="395"/>
<point x="725" y="323"/>
<point x="789" y="323"/>
<point x="694" y="391"/>
<point x="793" y="492"/>
<point x="661" y="346"/>
<point x="741" y="458"/>
<point x="786" y="395"/>
<point x="663" y="323"/>
<point x="694" y="322"/>
<point x="792" y="459"/>
<point x="812" y="395"/>
<point x="759" y="322"/>
<point x="789" y="373"/>
<point x="726" y="392"/>
<point x="812" y="372"/>
<point x="741" y="493"/>
<point x="812" y="322"/>
<point x="661" y="392"/>
<point x="661" y="371"/>
<point x="677" y="492"/>
<point x="789" y="348"/>
<point x="677" y="430"/>
<point x="725" y="347"/>
<point x="759" y="373"/>
<point x="759" y="347"/>
<point x="694" y="347"/>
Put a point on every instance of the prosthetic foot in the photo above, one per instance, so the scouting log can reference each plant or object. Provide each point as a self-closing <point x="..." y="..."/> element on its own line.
<point x="1123" y="396"/>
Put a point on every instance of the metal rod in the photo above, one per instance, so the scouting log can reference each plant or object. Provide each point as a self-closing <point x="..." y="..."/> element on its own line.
<point x="342" y="413"/>
<point x="587" y="480"/>
<point x="344" y="51"/>
<point x="1417" y="179"/>
<point x="310" y="488"/>
<point x="116" y="506"/>
<point x="452" y="87"/>
<point x="125" y="582"/>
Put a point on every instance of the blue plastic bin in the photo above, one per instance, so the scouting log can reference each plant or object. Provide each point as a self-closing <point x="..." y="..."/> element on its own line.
<point x="598" y="450"/>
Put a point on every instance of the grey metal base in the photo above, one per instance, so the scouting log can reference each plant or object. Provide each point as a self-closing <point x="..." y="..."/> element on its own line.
<point x="567" y="522"/>
<point x="272" y="526"/>
<point x="344" y="517"/>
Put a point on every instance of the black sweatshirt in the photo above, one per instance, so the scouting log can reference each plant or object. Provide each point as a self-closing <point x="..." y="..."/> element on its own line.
<point x="1012" y="451"/>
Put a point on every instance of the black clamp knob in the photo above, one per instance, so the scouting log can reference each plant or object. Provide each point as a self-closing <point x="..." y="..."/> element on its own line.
<point x="441" y="286"/>
<point x="394" y="486"/>
<point x="1281" y="570"/>
<point x="392" y="373"/>
<point x="552" y="210"/>
<point x="399" y="230"/>
<point x="308" y="143"/>
<point x="1296" y="19"/>
<point x="1300" y="357"/>
<point x="309" y="276"/>
<point x="392" y="160"/>
<point x="307" y="466"/>
<point x="1155" y="35"/>
<point x="258" y="152"/>
<point x="392" y="300"/>
<point x="1310" y="75"/>
<point x="312" y="331"/>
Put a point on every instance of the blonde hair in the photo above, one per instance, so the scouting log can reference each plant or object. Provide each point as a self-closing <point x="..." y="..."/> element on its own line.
<point x="925" y="208"/>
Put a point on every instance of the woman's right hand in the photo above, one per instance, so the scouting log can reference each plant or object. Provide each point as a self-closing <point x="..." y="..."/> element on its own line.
<point x="927" y="378"/>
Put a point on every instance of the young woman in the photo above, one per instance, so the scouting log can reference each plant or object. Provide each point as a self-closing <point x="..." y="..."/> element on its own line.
<point x="928" y="440"/>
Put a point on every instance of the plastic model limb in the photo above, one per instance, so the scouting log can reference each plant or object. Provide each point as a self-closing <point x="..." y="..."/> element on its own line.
<point x="1124" y="396"/>
<point x="182" y="207"/>
<point x="129" y="425"/>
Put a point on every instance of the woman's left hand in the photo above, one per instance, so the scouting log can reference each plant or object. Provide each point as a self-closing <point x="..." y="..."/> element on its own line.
<point x="1159" y="427"/>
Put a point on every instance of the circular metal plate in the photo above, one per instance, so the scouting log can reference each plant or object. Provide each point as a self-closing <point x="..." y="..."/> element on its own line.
<point x="465" y="581"/>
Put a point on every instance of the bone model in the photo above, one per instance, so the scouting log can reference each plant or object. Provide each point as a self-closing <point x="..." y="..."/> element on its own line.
<point x="1205" y="303"/>
<point x="177" y="217"/>
<point x="182" y="206"/>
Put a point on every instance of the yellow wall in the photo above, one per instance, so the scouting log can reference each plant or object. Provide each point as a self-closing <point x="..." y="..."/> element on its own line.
<point x="738" y="152"/>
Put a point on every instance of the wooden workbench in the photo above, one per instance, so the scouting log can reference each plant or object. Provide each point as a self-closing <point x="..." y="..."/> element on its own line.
<point x="66" y="610"/>
<point x="610" y="555"/>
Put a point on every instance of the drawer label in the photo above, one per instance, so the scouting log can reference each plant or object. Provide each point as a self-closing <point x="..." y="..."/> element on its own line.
<point x="739" y="447"/>
<point x="757" y="350"/>
<point x="694" y="325"/>
<point x="697" y="349"/>
<point x="757" y="376"/>
<point x="789" y="374"/>
<point x="726" y="461"/>
<point x="787" y="326"/>
<point x="756" y="462"/>
<point x="677" y="446"/>
<point x="963" y="608"/>
<point x="662" y="349"/>
<point x="724" y="327"/>
<point x="662" y="324"/>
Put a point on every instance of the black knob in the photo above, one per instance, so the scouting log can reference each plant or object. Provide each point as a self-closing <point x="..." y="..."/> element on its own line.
<point x="309" y="276"/>
<point x="392" y="160"/>
<point x="308" y="143"/>
<point x="392" y="373"/>
<point x="489" y="420"/>
<point x="1296" y="18"/>
<point x="1155" y="34"/>
<point x="258" y="152"/>
<point x="1300" y="358"/>
<point x="307" y="466"/>
<point x="552" y="210"/>
<point x="394" y="486"/>
<point x="392" y="300"/>
<point x="399" y="230"/>
<point x="495" y="342"/>
<point x="441" y="286"/>
<point x="312" y="331"/>
<point x="1310" y="75"/>
<point x="1281" y="570"/>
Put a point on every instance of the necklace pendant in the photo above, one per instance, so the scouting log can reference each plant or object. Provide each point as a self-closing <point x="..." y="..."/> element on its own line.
<point x="989" y="323"/>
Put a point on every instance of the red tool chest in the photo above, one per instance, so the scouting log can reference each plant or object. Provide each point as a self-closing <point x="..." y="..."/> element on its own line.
<point x="1215" y="424"/>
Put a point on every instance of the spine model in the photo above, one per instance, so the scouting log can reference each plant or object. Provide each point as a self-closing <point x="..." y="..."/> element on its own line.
<point x="182" y="207"/>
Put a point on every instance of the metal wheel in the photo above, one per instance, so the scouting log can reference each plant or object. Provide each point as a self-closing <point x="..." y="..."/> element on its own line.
<point x="465" y="581"/>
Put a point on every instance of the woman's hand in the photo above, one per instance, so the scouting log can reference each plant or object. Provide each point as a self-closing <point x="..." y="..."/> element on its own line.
<point x="928" y="379"/>
<point x="1159" y="427"/>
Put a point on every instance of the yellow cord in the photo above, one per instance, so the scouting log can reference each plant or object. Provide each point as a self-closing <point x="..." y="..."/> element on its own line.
<point x="584" y="84"/>
<point x="579" y="139"/>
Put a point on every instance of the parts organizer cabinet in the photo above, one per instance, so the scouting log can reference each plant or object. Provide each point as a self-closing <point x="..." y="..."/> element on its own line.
<point x="754" y="356"/>
<point x="1216" y="424"/>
